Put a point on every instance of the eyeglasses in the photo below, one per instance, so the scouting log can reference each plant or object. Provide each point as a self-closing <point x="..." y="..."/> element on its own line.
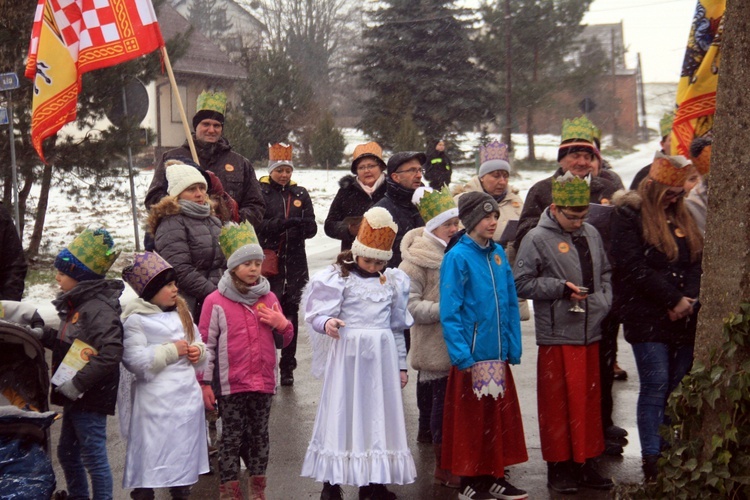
<point x="574" y="218"/>
<point x="367" y="168"/>
<point x="411" y="171"/>
<point x="674" y="195"/>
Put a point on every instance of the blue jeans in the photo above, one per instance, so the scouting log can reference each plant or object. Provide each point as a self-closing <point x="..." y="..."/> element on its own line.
<point x="661" y="368"/>
<point x="438" y="404"/>
<point x="83" y="443"/>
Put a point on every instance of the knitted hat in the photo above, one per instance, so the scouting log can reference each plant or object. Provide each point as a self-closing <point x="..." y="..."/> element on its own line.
<point x="665" y="124"/>
<point x="211" y="105"/>
<point x="475" y="206"/>
<point x="207" y="176"/>
<point x="435" y="207"/>
<point x="376" y="235"/>
<point x="577" y="135"/>
<point x="371" y="149"/>
<point x="700" y="154"/>
<point x="669" y="170"/>
<point x="569" y="190"/>
<point x="181" y="176"/>
<point x="399" y="159"/>
<point x="148" y="274"/>
<point x="89" y="256"/>
<point x="493" y="156"/>
<point x="279" y="154"/>
<point x="239" y="243"/>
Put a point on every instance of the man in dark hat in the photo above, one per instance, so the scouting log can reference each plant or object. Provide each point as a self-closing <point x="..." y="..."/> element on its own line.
<point x="215" y="155"/>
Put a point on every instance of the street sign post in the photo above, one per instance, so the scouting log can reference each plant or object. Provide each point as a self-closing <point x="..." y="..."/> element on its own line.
<point x="8" y="81"/>
<point x="3" y="116"/>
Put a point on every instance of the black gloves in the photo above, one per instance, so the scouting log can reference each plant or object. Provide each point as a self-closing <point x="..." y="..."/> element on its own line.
<point x="292" y="222"/>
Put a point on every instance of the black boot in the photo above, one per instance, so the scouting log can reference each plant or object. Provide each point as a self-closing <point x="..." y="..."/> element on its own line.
<point x="287" y="377"/>
<point x="560" y="477"/>
<point x="331" y="492"/>
<point x="589" y="477"/>
<point x="650" y="468"/>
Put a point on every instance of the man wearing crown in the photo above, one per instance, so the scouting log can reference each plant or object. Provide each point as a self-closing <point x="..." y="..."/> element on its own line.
<point x="215" y="154"/>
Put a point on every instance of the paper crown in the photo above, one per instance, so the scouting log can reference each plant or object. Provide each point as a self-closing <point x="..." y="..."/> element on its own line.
<point x="368" y="149"/>
<point x="435" y="207"/>
<point x="376" y="235"/>
<point x="280" y="152"/>
<point x="580" y="128"/>
<point x="669" y="170"/>
<point x="89" y="256"/>
<point x="665" y="124"/>
<point x="702" y="162"/>
<point x="146" y="266"/>
<point x="235" y="236"/>
<point x="569" y="190"/>
<point x="495" y="150"/>
<point x="212" y="101"/>
<point x="596" y="133"/>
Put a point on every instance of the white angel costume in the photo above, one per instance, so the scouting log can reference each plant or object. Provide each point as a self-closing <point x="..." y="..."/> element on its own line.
<point x="359" y="435"/>
<point x="160" y="402"/>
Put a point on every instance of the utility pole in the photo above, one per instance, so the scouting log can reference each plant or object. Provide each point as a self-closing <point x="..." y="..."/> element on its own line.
<point x="508" y="81"/>
<point x="642" y="99"/>
<point x="613" y="107"/>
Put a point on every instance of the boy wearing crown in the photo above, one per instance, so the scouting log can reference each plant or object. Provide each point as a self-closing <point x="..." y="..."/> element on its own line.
<point x="563" y="267"/>
<point x="89" y="310"/>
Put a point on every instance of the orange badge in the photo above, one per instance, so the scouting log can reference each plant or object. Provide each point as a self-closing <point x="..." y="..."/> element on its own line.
<point x="515" y="204"/>
<point x="297" y="203"/>
<point x="605" y="201"/>
<point x="498" y="260"/>
<point x="261" y="305"/>
<point x="86" y="353"/>
<point x="563" y="247"/>
<point x="74" y="320"/>
<point x="229" y="168"/>
<point x="679" y="233"/>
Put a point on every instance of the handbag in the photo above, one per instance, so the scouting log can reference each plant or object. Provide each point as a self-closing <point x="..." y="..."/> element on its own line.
<point x="270" y="266"/>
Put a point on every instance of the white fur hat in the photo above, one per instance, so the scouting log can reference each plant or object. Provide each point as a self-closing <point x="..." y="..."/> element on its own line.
<point x="180" y="177"/>
<point x="376" y="235"/>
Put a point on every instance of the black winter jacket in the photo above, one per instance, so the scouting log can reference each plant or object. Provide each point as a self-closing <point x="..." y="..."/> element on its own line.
<point x="233" y="170"/>
<point x="350" y="201"/>
<point x="397" y="201"/>
<point x="13" y="264"/>
<point x="646" y="284"/>
<point x="90" y="312"/>
<point x="438" y="169"/>
<point x="288" y="222"/>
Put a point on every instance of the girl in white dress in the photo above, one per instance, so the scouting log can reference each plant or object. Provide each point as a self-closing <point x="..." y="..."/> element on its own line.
<point x="160" y="404"/>
<point x="357" y="315"/>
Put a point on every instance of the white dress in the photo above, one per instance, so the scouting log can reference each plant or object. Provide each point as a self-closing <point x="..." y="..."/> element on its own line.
<point x="165" y="427"/>
<point x="359" y="435"/>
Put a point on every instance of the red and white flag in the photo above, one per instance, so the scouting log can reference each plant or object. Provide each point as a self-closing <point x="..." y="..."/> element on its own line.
<point x="71" y="37"/>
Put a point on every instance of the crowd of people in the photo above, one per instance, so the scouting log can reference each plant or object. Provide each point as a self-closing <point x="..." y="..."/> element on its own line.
<point x="436" y="278"/>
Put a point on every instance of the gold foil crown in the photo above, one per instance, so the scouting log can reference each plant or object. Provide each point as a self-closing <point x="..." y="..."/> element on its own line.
<point x="433" y="203"/>
<point x="280" y="152"/>
<point x="212" y="101"/>
<point x="569" y="190"/>
<point x="580" y="128"/>
<point x="669" y="170"/>
<point x="665" y="124"/>
<point x="234" y="236"/>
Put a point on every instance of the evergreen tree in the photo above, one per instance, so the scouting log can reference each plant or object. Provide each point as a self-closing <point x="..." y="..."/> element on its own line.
<point x="544" y="47"/>
<point x="417" y="62"/>
<point x="209" y="18"/>
<point x="327" y="143"/>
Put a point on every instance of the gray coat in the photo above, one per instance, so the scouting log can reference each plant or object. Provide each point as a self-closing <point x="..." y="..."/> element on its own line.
<point x="547" y="259"/>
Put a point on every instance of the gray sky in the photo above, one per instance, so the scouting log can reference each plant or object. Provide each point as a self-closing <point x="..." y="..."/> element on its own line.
<point x="658" y="29"/>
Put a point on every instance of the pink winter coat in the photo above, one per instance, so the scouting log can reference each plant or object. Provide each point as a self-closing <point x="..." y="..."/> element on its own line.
<point x="240" y="345"/>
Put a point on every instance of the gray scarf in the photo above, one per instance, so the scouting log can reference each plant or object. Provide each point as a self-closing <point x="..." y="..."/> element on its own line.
<point x="228" y="290"/>
<point x="194" y="210"/>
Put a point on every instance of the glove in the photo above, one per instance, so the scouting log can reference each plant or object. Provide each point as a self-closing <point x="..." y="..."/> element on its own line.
<point x="69" y="390"/>
<point x="273" y="317"/>
<point x="38" y="333"/>
<point x="292" y="222"/>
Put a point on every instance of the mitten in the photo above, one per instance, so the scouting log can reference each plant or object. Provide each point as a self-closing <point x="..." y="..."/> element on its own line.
<point x="69" y="390"/>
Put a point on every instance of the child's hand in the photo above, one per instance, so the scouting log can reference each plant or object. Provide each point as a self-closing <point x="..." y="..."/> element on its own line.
<point x="332" y="327"/>
<point x="182" y="347"/>
<point x="404" y="378"/>
<point x="209" y="400"/>
<point x="273" y="317"/>
<point x="193" y="353"/>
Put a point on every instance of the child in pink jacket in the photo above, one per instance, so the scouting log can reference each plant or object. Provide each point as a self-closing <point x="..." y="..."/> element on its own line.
<point x="239" y="323"/>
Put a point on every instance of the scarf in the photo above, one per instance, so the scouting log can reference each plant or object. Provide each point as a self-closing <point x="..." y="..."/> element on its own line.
<point x="228" y="290"/>
<point x="369" y="190"/>
<point x="194" y="210"/>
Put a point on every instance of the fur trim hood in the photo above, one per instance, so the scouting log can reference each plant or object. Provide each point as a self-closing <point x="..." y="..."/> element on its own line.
<point x="474" y="184"/>
<point x="627" y="198"/>
<point x="418" y="249"/>
<point x="167" y="206"/>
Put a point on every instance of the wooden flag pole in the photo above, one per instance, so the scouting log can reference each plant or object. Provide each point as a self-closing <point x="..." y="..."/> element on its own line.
<point x="176" y="92"/>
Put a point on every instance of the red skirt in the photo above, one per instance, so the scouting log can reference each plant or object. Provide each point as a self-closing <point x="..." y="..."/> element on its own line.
<point x="481" y="436"/>
<point x="569" y="402"/>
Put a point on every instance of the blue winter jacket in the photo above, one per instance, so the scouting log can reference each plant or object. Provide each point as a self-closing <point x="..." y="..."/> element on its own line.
<point x="478" y="305"/>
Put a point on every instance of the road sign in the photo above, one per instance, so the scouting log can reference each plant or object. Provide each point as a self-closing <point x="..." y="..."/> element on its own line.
<point x="3" y="116"/>
<point x="8" y="81"/>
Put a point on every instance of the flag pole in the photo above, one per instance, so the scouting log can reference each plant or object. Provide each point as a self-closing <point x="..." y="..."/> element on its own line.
<point x="176" y="92"/>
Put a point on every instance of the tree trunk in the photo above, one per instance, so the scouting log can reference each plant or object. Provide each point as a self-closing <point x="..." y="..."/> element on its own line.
<point x="41" y="213"/>
<point x="530" y="133"/>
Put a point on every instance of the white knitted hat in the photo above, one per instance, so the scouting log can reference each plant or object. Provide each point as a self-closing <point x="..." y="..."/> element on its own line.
<point x="180" y="177"/>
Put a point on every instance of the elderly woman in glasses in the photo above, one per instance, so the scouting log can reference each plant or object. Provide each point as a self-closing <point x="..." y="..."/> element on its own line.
<point x="657" y="250"/>
<point x="357" y="193"/>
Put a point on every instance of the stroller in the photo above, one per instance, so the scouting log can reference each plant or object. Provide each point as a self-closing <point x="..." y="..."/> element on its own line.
<point x="25" y="466"/>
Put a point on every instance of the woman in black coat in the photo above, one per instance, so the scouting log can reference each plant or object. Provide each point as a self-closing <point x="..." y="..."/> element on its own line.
<point x="657" y="250"/>
<point x="357" y="193"/>
<point x="288" y="221"/>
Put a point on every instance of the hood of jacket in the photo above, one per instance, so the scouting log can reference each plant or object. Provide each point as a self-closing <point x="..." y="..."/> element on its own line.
<point x="266" y="179"/>
<point x="167" y="206"/>
<point x="422" y="250"/>
<point x="474" y="184"/>
<point x="627" y="199"/>
<point x="547" y="221"/>
<point x="399" y="194"/>
<point x="108" y="291"/>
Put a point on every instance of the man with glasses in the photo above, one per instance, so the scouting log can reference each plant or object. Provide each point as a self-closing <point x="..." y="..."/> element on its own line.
<point x="563" y="267"/>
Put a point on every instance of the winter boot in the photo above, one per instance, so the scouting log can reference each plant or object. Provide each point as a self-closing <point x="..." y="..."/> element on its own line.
<point x="230" y="491"/>
<point x="560" y="478"/>
<point x="589" y="477"/>
<point x="650" y="468"/>
<point x="256" y="487"/>
<point x="331" y="492"/>
<point x="179" y="492"/>
<point x="142" y="494"/>
<point x="444" y="476"/>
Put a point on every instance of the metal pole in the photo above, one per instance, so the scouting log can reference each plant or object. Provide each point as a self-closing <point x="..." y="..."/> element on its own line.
<point x="642" y="92"/>
<point x="130" y="170"/>
<point x="508" y="80"/>
<point x="14" y="168"/>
